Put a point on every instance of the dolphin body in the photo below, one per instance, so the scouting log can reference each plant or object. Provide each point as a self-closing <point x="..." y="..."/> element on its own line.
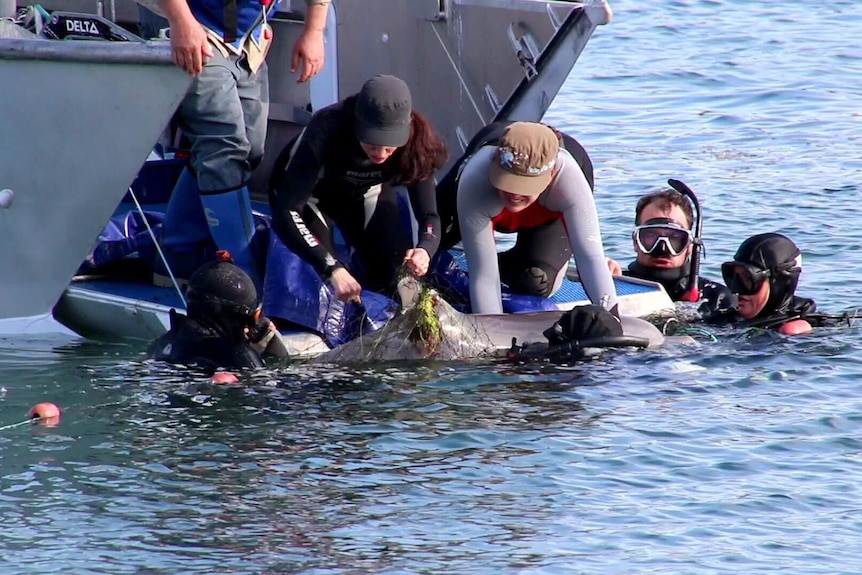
<point x="456" y="335"/>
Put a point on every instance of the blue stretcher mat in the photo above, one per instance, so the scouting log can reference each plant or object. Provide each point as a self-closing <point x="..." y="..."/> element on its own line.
<point x="571" y="291"/>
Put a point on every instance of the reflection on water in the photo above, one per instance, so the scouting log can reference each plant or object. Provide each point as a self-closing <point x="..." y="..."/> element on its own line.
<point x="740" y="455"/>
<point x="431" y="467"/>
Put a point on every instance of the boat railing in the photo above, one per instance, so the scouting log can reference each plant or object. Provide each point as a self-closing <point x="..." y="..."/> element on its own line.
<point x="85" y="51"/>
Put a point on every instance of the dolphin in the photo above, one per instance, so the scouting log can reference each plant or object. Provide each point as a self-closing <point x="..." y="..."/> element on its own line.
<point x="429" y="328"/>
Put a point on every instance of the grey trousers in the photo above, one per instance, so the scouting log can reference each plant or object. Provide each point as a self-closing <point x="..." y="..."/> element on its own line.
<point x="224" y="115"/>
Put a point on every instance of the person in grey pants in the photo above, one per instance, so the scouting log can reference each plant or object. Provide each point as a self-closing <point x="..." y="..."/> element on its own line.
<point x="223" y="45"/>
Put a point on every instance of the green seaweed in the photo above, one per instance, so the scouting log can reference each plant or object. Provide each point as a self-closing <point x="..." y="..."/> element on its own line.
<point x="427" y="329"/>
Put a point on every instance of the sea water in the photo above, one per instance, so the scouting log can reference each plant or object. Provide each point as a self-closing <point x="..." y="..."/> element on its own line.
<point x="737" y="456"/>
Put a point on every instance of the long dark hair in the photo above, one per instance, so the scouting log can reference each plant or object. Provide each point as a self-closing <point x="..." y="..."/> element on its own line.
<point x="423" y="154"/>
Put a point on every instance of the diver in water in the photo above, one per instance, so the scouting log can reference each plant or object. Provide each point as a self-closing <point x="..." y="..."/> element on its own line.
<point x="666" y="250"/>
<point x="763" y="275"/>
<point x="223" y="327"/>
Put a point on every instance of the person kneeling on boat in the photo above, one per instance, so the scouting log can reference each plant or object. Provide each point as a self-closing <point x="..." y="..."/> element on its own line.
<point x="344" y="169"/>
<point x="223" y="327"/>
<point x="529" y="183"/>
<point x="764" y="274"/>
<point x="664" y="245"/>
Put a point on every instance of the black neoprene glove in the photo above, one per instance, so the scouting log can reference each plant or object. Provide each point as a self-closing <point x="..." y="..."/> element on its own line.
<point x="584" y="322"/>
<point x="718" y="305"/>
<point x="266" y="340"/>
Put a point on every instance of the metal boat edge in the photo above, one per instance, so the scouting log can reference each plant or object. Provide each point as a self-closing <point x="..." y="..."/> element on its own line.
<point x="75" y="132"/>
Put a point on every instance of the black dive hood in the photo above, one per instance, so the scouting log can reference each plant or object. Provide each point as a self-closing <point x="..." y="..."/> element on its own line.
<point x="778" y="254"/>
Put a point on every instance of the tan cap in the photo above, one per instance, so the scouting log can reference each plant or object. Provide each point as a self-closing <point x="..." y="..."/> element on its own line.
<point x="525" y="158"/>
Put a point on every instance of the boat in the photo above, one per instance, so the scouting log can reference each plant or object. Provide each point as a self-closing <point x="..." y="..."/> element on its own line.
<point x="481" y="61"/>
<point x="75" y="132"/>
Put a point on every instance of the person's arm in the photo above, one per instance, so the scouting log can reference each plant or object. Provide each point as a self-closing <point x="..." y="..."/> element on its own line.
<point x="266" y="340"/>
<point x="308" y="50"/>
<point x="289" y="201"/>
<point x="570" y="193"/>
<point x="423" y="200"/>
<point x="190" y="45"/>
<point x="477" y="203"/>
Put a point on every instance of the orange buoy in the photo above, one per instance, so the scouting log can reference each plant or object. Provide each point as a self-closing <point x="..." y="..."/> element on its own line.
<point x="46" y="413"/>
<point x="224" y="377"/>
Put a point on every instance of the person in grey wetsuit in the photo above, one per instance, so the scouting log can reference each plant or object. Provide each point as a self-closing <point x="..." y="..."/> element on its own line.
<point x="530" y="184"/>
<point x="343" y="169"/>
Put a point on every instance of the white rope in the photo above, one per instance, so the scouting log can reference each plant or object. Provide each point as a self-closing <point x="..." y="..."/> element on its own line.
<point x="158" y="247"/>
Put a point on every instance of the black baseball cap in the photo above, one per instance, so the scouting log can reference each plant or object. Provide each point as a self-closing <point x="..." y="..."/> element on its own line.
<point x="383" y="109"/>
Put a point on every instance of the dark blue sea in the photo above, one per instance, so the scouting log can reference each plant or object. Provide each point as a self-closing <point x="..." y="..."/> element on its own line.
<point x="742" y="455"/>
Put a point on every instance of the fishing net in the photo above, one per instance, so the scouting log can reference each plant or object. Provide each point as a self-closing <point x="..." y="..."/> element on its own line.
<point x="426" y="327"/>
<point x="670" y="320"/>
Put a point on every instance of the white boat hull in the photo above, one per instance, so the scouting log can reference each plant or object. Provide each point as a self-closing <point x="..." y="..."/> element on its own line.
<point x="76" y="129"/>
<point x="94" y="310"/>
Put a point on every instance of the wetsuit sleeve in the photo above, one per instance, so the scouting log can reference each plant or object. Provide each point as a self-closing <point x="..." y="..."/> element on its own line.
<point x="423" y="200"/>
<point x="477" y="204"/>
<point x="289" y="200"/>
<point x="570" y="193"/>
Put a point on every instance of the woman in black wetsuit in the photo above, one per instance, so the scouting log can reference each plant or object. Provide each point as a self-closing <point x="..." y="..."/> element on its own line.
<point x="344" y="169"/>
<point x="764" y="274"/>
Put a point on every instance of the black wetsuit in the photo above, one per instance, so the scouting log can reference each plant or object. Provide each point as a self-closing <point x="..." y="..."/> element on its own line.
<point x="717" y="301"/>
<point x="795" y="308"/>
<point x="675" y="281"/>
<point x="329" y="178"/>
<point x="203" y="345"/>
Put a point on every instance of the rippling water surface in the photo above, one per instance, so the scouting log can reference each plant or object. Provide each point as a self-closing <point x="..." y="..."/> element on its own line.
<point x="739" y="456"/>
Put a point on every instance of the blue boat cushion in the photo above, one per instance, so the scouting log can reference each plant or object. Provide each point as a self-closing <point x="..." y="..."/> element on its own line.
<point x="125" y="236"/>
<point x="294" y="292"/>
<point x="449" y="276"/>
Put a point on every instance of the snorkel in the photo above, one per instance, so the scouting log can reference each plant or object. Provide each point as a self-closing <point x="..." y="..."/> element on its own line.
<point x="692" y="292"/>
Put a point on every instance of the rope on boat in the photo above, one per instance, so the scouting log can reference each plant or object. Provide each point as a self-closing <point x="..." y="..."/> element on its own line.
<point x="461" y="80"/>
<point x="158" y="247"/>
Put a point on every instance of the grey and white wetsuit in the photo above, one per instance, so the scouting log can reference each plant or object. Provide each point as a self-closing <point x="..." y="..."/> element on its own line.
<point x="568" y="203"/>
